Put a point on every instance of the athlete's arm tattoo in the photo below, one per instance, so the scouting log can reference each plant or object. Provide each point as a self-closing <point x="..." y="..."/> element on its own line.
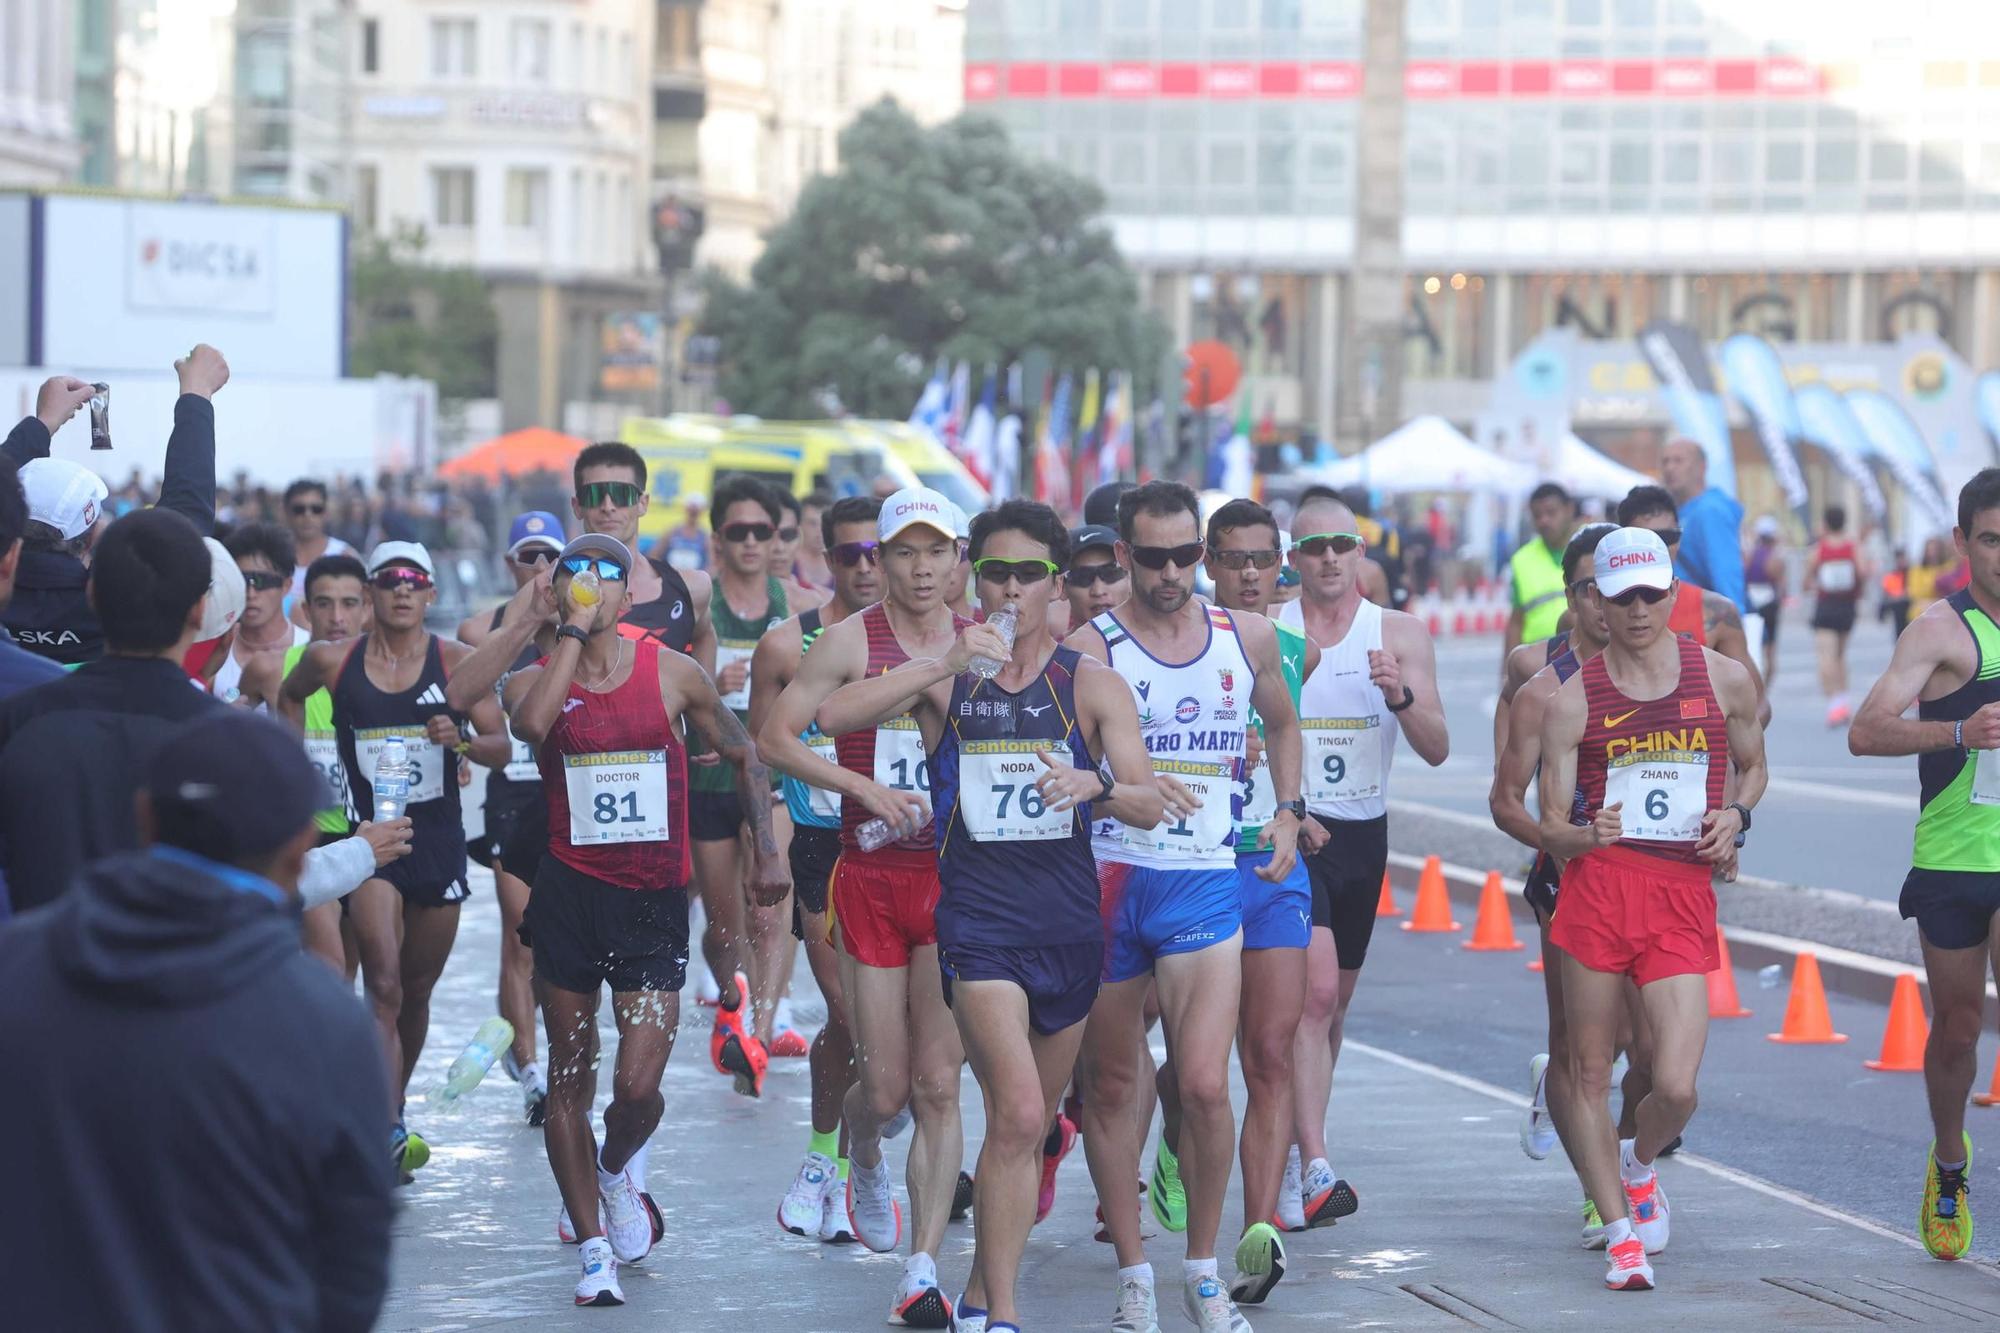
<point x="753" y="779"/>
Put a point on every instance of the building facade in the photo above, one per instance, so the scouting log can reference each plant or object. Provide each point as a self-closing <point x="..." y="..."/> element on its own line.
<point x="38" y="140"/>
<point x="1824" y="174"/>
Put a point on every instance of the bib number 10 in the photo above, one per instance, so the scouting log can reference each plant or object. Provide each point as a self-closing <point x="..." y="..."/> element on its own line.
<point x="611" y="808"/>
<point x="900" y="770"/>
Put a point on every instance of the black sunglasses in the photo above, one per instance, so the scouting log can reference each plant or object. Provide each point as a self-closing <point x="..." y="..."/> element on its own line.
<point x="1669" y="536"/>
<point x="1186" y="556"/>
<point x="535" y="555"/>
<point x="1650" y="596"/>
<point x="849" y="554"/>
<point x="790" y="534"/>
<point x="308" y="509"/>
<point x="388" y="580"/>
<point x="1245" y="559"/>
<point x="623" y="494"/>
<point x="1320" y="542"/>
<point x="1089" y="576"/>
<point x="997" y="571"/>
<point x="747" y="532"/>
<point x="262" y="581"/>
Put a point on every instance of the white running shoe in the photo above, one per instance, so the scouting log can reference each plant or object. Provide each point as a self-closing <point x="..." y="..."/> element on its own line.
<point x="1538" y="1129"/>
<point x="966" y="1323"/>
<point x="1646" y="1201"/>
<point x="1138" y="1310"/>
<point x="565" y="1229"/>
<point x="893" y="1128"/>
<point x="627" y="1224"/>
<point x="1209" y="1308"/>
<point x="872" y="1211"/>
<point x="833" y="1228"/>
<point x="919" y="1302"/>
<point x="600" y="1275"/>
<point x="799" y="1212"/>
<point x="1291" y="1214"/>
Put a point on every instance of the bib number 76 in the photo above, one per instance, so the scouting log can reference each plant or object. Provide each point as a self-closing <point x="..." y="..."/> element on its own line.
<point x="1031" y="803"/>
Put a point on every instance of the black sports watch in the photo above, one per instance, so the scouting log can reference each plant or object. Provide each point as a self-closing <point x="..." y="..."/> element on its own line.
<point x="1298" y="809"/>
<point x="1104" y="778"/>
<point x="1409" y="698"/>
<point x="573" y="632"/>
<point x="1743" y="812"/>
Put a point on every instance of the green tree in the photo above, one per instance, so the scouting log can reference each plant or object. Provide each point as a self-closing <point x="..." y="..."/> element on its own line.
<point x="412" y="318"/>
<point x="927" y="243"/>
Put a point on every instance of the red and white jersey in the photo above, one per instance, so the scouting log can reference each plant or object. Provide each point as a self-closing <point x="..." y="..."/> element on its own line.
<point x="1664" y="759"/>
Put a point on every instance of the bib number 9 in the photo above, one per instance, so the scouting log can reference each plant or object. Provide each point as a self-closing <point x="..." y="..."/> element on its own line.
<point x="1335" y="769"/>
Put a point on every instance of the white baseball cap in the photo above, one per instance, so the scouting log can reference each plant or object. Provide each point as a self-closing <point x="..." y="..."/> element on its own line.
<point x="919" y="506"/>
<point x="1767" y="526"/>
<point x="226" y="593"/>
<point x="1632" y="558"/>
<point x="412" y="553"/>
<point x="66" y="496"/>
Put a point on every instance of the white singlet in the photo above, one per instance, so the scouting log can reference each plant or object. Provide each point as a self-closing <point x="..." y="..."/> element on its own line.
<point x="1350" y="734"/>
<point x="1192" y="717"/>
<point x="229" y="677"/>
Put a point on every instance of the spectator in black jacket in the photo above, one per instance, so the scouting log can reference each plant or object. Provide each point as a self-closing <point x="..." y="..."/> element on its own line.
<point x="50" y="614"/>
<point x="72" y="751"/>
<point x="19" y="668"/>
<point x="191" y="1135"/>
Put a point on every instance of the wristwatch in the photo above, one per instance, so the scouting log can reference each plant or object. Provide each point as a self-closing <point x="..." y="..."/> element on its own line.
<point x="1298" y="809"/>
<point x="1409" y="697"/>
<point x="1743" y="812"/>
<point x="573" y="632"/>
<point x="1104" y="778"/>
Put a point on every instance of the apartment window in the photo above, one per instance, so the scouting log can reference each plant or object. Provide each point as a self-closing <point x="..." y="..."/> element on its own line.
<point x="576" y="72"/>
<point x="371" y="46"/>
<point x="367" y="190"/>
<point x="603" y="58"/>
<point x="527" y="198"/>
<point x="530" y="50"/>
<point x="451" y="196"/>
<point x="454" y="48"/>
<point x="624" y="82"/>
<point x="1836" y="161"/>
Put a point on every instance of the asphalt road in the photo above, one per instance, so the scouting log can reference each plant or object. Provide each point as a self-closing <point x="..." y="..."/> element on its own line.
<point x="1829" y="820"/>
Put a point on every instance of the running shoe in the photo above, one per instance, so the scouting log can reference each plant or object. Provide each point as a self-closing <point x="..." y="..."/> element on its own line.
<point x="728" y="1022"/>
<point x="1328" y="1197"/>
<point x="1169" y="1199"/>
<point x="1839" y="714"/>
<point x="1146" y="1231"/>
<point x="600" y="1274"/>
<point x="873" y="1214"/>
<point x="897" y="1124"/>
<point x="1593" y="1227"/>
<point x="627" y="1224"/>
<point x="743" y="1056"/>
<point x="788" y="1044"/>
<point x="1291" y="1214"/>
<point x="1945" y="1220"/>
<point x="1647" y="1203"/>
<point x="1209" y="1308"/>
<point x="1065" y="1135"/>
<point x="1538" y="1130"/>
<point x="1138" y="1310"/>
<point x="965" y="1320"/>
<point x="799" y="1212"/>
<point x="565" y="1229"/>
<point x="1671" y="1148"/>
<point x="833" y="1229"/>
<point x="534" y="1086"/>
<point x="920" y="1302"/>
<point x="961" y="1197"/>
<point x="407" y="1152"/>
<point x="1260" y="1264"/>
<point x="653" y="1213"/>
<point x="1627" y="1269"/>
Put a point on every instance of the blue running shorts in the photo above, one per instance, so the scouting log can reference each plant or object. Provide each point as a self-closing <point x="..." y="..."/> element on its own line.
<point x="1150" y="913"/>
<point x="1275" y="916"/>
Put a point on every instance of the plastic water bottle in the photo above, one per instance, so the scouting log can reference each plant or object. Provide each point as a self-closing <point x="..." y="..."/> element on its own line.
<point x="876" y="834"/>
<point x="495" y="1035"/>
<point x="1772" y="977"/>
<point x="1002" y="622"/>
<point x="392" y="780"/>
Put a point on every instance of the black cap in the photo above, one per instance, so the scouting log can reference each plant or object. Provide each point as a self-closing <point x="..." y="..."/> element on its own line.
<point x="1089" y="535"/>
<point x="1101" y="505"/>
<point x="239" y="782"/>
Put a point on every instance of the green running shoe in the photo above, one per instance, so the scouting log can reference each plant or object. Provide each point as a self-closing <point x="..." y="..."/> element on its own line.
<point x="1260" y="1263"/>
<point x="1169" y="1199"/>
<point x="1945" y="1220"/>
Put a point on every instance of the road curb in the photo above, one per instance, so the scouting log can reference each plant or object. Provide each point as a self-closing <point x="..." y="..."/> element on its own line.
<point x="1846" y="972"/>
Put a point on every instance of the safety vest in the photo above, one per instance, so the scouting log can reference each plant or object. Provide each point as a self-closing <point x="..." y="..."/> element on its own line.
<point x="1538" y="588"/>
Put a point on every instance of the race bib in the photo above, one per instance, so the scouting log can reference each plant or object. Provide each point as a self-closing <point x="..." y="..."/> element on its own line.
<point x="1260" y="798"/>
<point x="1837" y="576"/>
<point x="825" y="804"/>
<point x="726" y="654"/>
<point x="324" y="753"/>
<point x="521" y="766"/>
<point x="998" y="798"/>
<point x="1986" y="777"/>
<point x="900" y="761"/>
<point x="1665" y="794"/>
<point x="1762" y="595"/>
<point x="428" y="762"/>
<point x="617" y="797"/>
<point x="1343" y="758"/>
<point x="1206" y="835"/>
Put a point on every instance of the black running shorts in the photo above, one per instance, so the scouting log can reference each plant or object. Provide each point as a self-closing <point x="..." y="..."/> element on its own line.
<point x="586" y="933"/>
<point x="1953" y="908"/>
<point x="714" y="816"/>
<point x="814" y="850"/>
<point x="1347" y="884"/>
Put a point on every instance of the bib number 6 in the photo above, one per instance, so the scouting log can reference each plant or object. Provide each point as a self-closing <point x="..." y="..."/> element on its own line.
<point x="1656" y="803"/>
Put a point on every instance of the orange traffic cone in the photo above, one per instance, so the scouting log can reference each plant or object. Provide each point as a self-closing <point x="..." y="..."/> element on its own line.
<point x="1723" y="1001"/>
<point x="1433" y="910"/>
<point x="1807" y="1020"/>
<point x="1535" y="965"/>
<point x="1904" y="1039"/>
<point x="1386" y="904"/>
<point x="1493" y="931"/>
<point x="1991" y="1098"/>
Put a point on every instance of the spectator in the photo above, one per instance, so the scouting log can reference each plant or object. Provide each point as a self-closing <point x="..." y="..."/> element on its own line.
<point x="686" y="547"/>
<point x="173" y="975"/>
<point x="1535" y="575"/>
<point x="1100" y="507"/>
<point x="51" y="613"/>
<point x="19" y="668"/>
<point x="308" y="513"/>
<point x="1711" y="524"/>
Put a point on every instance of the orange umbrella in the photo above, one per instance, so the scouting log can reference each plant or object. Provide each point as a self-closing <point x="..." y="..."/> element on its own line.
<point x="530" y="450"/>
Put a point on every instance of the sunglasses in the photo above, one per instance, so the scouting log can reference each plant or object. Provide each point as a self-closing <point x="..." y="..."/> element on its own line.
<point x="997" y="571"/>
<point x="1668" y="536"/>
<point x="749" y="532"/>
<point x="260" y="581"/>
<point x="1089" y="576"/>
<point x="849" y="554"/>
<point x="535" y="555"/>
<point x="1650" y="596"/>
<point x="308" y="509"/>
<point x="1340" y="543"/>
<point x="388" y="580"/>
<point x="608" y="570"/>
<point x="1245" y="559"/>
<point x="790" y="534"/>
<point x="1186" y="556"/>
<point x="1582" y="586"/>
<point x="621" y="493"/>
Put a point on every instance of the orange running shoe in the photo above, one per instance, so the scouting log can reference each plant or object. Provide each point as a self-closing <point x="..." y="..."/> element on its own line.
<point x="1628" y="1270"/>
<point x="744" y="1058"/>
<point x="789" y="1044"/>
<point x="728" y="1021"/>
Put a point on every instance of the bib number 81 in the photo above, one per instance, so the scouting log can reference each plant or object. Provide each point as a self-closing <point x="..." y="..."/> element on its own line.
<point x="604" y="808"/>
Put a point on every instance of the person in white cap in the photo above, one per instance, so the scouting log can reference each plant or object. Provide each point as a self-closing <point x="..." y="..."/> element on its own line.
<point x="907" y="1048"/>
<point x="1641" y="739"/>
<point x="1764" y="582"/>
<point x="387" y="683"/>
<point x="221" y="616"/>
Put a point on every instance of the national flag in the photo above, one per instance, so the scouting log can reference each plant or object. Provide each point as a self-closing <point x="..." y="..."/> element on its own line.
<point x="1051" y="484"/>
<point x="1114" y="453"/>
<point x="931" y="404"/>
<point x="1006" y="474"/>
<point x="1083" y="454"/>
<point x="978" y="449"/>
<point x="958" y="406"/>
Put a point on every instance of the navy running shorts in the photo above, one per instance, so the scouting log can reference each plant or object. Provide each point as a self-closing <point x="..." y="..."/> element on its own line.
<point x="1953" y="908"/>
<point x="1060" y="980"/>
